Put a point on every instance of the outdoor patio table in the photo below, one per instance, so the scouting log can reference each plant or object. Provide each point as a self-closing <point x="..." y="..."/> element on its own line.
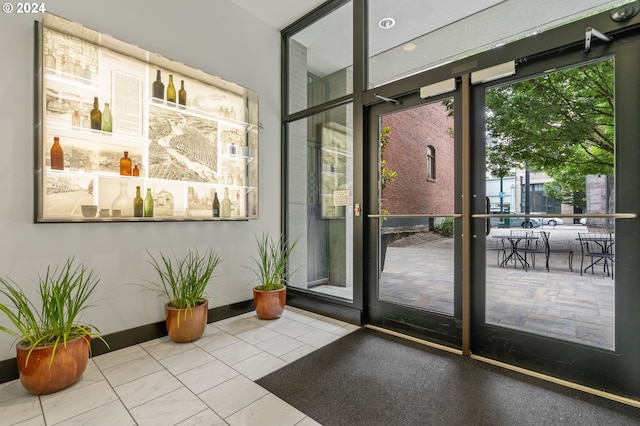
<point x="515" y="240"/>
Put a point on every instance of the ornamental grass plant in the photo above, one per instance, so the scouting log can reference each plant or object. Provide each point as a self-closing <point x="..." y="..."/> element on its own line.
<point x="64" y="294"/>
<point x="184" y="280"/>
<point x="270" y="266"/>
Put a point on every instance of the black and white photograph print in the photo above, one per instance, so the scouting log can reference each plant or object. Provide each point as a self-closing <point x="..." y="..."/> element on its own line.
<point x="65" y="194"/>
<point x="182" y="147"/>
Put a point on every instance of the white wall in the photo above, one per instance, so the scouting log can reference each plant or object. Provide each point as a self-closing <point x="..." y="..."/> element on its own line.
<point x="215" y="36"/>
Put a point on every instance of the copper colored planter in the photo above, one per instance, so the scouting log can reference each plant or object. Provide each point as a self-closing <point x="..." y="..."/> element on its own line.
<point x="269" y="304"/>
<point x="40" y="375"/>
<point x="186" y="325"/>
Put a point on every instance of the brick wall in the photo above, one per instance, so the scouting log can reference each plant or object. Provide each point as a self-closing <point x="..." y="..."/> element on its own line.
<point x="411" y="132"/>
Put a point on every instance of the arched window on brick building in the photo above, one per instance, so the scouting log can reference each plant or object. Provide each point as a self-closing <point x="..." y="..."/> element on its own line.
<point x="431" y="162"/>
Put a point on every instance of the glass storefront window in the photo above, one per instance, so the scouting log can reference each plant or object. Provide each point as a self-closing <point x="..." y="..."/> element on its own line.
<point x="320" y="61"/>
<point x="320" y="189"/>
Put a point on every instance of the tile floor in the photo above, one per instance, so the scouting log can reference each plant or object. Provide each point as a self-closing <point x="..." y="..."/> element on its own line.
<point x="208" y="382"/>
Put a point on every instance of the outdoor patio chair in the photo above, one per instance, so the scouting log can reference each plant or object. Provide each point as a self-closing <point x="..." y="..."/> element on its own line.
<point x="533" y="247"/>
<point x="599" y="248"/>
<point x="562" y="247"/>
<point x="497" y="245"/>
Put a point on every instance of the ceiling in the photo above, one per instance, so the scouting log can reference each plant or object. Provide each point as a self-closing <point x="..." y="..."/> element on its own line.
<point x="439" y="31"/>
<point x="278" y="13"/>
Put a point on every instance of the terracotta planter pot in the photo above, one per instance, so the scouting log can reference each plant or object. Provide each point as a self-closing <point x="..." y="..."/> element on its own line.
<point x="186" y="325"/>
<point x="40" y="376"/>
<point x="269" y="304"/>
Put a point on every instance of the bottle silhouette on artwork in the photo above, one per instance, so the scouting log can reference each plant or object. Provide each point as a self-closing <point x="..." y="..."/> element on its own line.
<point x="216" y="205"/>
<point x="137" y="204"/>
<point x="225" y="206"/>
<point x="158" y="87"/>
<point x="96" y="115"/>
<point x="182" y="94"/>
<point x="57" y="157"/>
<point x="171" y="90"/>
<point x="125" y="165"/>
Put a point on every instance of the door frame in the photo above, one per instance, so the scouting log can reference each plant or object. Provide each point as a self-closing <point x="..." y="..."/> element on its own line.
<point x="432" y="326"/>
<point x="593" y="367"/>
<point x="616" y="371"/>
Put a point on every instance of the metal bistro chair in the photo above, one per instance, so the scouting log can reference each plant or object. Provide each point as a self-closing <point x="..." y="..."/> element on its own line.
<point x="497" y="245"/>
<point x="533" y="247"/>
<point x="598" y="247"/>
<point x="560" y="247"/>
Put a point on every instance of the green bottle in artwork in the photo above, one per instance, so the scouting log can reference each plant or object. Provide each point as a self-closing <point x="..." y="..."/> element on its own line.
<point x="148" y="204"/>
<point x="171" y="90"/>
<point x="137" y="204"/>
<point x="182" y="94"/>
<point x="107" y="120"/>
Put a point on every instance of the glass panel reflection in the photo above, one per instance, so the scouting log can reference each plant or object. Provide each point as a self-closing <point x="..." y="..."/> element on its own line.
<point x="320" y="189"/>
<point x="320" y="61"/>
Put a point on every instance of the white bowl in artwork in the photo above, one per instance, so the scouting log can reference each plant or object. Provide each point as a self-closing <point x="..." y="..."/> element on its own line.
<point x="89" y="210"/>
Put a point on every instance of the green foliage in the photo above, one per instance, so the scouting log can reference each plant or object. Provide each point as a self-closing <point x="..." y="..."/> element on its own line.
<point x="561" y="123"/>
<point x="184" y="280"/>
<point x="386" y="175"/>
<point x="445" y="227"/>
<point x="563" y="193"/>
<point x="63" y="295"/>
<point x="270" y="266"/>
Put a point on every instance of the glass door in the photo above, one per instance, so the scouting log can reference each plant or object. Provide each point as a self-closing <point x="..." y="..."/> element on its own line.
<point x="413" y="158"/>
<point x="554" y="286"/>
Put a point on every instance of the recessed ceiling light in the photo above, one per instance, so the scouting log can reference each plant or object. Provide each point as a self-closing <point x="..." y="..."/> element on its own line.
<point x="409" y="47"/>
<point x="386" y="23"/>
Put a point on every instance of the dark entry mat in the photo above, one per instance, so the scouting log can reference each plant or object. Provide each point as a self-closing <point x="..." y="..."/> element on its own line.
<point x="371" y="378"/>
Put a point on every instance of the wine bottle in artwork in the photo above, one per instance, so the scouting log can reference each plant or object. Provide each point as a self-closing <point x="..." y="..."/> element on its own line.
<point x="171" y="90"/>
<point x="57" y="157"/>
<point x="158" y="87"/>
<point x="216" y="205"/>
<point x="182" y="94"/>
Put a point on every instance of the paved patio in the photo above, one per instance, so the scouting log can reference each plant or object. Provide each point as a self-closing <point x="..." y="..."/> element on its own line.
<point x="556" y="303"/>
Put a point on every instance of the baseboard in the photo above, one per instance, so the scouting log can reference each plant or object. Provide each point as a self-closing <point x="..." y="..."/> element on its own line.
<point x="322" y="306"/>
<point x="134" y="336"/>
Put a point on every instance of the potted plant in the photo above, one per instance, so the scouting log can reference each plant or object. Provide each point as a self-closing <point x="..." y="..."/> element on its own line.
<point x="53" y="345"/>
<point x="183" y="281"/>
<point x="270" y="266"/>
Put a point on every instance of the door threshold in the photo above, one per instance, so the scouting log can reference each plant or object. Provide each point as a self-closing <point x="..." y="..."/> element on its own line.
<point x="415" y="339"/>
<point x="562" y="382"/>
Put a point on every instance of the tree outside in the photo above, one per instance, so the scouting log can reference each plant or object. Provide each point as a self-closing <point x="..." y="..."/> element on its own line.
<point x="561" y="124"/>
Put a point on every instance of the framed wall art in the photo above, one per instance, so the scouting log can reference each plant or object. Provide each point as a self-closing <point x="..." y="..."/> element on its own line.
<point x="123" y="134"/>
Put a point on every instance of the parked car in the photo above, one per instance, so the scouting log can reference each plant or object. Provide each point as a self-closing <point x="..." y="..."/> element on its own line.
<point x="552" y="221"/>
<point x="583" y="221"/>
<point x="515" y="222"/>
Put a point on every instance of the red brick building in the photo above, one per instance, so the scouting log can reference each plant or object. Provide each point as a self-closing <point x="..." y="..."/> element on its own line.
<point x="421" y="151"/>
